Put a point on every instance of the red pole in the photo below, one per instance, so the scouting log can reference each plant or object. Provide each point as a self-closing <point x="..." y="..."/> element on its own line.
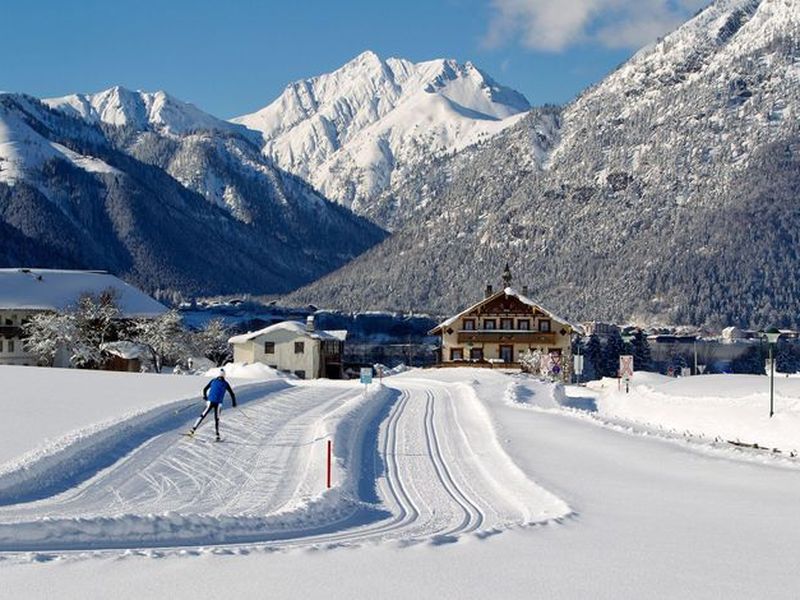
<point x="330" y="451"/>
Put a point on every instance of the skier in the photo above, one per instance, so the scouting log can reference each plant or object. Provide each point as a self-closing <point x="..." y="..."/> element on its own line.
<point x="213" y="394"/>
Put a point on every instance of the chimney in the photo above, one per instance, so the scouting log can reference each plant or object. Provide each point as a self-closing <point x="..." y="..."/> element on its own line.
<point x="310" y="323"/>
<point x="524" y="290"/>
<point x="489" y="291"/>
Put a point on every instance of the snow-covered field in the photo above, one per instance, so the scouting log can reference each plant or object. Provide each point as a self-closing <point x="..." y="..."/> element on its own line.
<point x="731" y="408"/>
<point x="450" y="483"/>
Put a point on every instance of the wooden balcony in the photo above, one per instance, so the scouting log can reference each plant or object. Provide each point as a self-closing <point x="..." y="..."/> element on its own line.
<point x="9" y="331"/>
<point x="506" y="336"/>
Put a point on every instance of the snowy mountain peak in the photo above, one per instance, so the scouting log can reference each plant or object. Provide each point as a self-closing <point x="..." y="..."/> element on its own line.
<point x="141" y="110"/>
<point x="356" y="131"/>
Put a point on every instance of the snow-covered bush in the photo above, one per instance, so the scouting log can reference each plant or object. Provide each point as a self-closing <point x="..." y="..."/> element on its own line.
<point x="212" y="342"/>
<point x="165" y="336"/>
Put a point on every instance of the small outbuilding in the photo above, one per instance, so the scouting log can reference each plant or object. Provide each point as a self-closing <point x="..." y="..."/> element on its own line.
<point x="293" y="347"/>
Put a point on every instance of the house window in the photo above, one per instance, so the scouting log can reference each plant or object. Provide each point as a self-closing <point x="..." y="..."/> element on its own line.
<point x="1" y="346"/>
<point x="269" y="347"/>
<point x="476" y="353"/>
<point x="524" y="324"/>
<point x="300" y="374"/>
<point x="273" y="367"/>
<point x="9" y="322"/>
<point x="489" y="324"/>
<point x="11" y="345"/>
<point x="456" y="354"/>
<point x="544" y="325"/>
<point x="469" y="324"/>
<point x="506" y="324"/>
<point x="299" y="347"/>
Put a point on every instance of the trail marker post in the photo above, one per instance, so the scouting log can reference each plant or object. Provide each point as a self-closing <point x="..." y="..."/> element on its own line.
<point x="330" y="458"/>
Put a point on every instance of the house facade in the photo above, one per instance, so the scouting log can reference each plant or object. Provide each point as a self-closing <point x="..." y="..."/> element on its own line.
<point x="26" y="292"/>
<point x="294" y="347"/>
<point x="499" y="328"/>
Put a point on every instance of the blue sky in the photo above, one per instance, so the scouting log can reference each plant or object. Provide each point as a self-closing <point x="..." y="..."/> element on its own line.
<point x="234" y="57"/>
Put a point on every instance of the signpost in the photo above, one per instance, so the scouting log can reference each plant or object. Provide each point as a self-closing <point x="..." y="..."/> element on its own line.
<point x="366" y="378"/>
<point x="626" y="369"/>
<point x="577" y="363"/>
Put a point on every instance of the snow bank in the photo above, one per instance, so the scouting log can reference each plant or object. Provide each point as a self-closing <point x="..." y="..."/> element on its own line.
<point x="729" y="407"/>
<point x="531" y="391"/>
<point x="257" y="371"/>
<point x="42" y="405"/>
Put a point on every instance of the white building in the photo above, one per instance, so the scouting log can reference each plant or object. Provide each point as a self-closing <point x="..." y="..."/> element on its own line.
<point x="25" y="292"/>
<point x="293" y="347"/>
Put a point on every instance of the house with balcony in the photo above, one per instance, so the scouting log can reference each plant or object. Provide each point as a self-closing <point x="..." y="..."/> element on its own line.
<point x="293" y="347"/>
<point x="26" y="292"/>
<point x="496" y="331"/>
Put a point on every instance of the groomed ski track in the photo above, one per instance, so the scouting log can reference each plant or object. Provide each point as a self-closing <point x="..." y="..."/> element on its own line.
<point x="415" y="460"/>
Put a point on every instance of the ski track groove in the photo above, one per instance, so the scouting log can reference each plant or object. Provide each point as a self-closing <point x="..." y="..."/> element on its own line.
<point x="426" y="484"/>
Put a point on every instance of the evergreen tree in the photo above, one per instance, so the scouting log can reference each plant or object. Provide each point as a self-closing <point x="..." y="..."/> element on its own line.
<point x="642" y="360"/>
<point x="592" y="352"/>
<point x="752" y="361"/>
<point x="786" y="358"/>
<point x="612" y="350"/>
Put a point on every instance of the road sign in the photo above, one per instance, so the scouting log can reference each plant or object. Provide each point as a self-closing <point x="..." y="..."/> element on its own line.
<point x="626" y="366"/>
<point x="578" y="364"/>
<point x="366" y="375"/>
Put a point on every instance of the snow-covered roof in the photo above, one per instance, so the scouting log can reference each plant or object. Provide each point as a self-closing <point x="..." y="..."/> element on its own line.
<point x="127" y="350"/>
<point x="508" y="292"/>
<point x="292" y="326"/>
<point x="56" y="290"/>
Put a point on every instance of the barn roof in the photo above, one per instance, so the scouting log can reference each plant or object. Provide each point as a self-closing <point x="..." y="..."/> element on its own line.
<point x="56" y="290"/>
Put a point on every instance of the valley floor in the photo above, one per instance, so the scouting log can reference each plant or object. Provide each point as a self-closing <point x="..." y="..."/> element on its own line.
<point x="451" y="483"/>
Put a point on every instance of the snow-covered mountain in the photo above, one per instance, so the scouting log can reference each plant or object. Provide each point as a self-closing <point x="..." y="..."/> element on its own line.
<point x="141" y="110"/>
<point x="154" y="190"/>
<point x="366" y="127"/>
<point x="668" y="191"/>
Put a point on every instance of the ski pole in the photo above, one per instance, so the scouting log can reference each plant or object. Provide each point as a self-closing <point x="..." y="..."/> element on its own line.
<point x="180" y="410"/>
<point x="241" y="410"/>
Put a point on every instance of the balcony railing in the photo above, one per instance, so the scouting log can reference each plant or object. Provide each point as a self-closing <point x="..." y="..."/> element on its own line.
<point x="10" y="331"/>
<point x="512" y="336"/>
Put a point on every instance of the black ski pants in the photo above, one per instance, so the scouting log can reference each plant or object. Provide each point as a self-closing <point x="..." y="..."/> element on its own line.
<point x="209" y="406"/>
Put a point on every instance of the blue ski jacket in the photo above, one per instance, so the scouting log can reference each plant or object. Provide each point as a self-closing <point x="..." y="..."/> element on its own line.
<point x="214" y="392"/>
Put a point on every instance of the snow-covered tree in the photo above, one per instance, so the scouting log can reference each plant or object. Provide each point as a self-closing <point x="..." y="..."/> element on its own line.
<point x="531" y="361"/>
<point x="47" y="333"/>
<point x="165" y="336"/>
<point x="97" y="321"/>
<point x="79" y="331"/>
<point x="212" y="342"/>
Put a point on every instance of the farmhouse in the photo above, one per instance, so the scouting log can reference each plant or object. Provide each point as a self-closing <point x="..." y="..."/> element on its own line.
<point x="499" y="328"/>
<point x="293" y="347"/>
<point x="25" y="292"/>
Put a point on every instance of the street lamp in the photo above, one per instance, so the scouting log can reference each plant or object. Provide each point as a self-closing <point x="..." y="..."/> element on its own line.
<point x="772" y="335"/>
